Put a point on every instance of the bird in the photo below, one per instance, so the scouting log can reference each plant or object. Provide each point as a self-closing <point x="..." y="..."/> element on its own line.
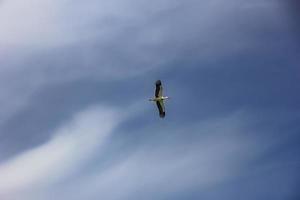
<point x="159" y="98"/>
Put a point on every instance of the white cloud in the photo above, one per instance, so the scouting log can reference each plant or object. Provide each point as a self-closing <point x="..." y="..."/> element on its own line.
<point x="170" y="164"/>
<point x="71" y="146"/>
<point x="32" y="22"/>
<point x="47" y="23"/>
<point x="140" y="25"/>
<point x="46" y="42"/>
<point x="216" y="155"/>
<point x="202" y="155"/>
<point x="49" y="42"/>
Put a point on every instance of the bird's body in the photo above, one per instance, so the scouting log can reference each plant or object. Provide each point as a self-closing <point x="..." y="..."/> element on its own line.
<point x="159" y="99"/>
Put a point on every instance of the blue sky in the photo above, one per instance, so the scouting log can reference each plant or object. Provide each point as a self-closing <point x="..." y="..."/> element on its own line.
<point x="76" y="123"/>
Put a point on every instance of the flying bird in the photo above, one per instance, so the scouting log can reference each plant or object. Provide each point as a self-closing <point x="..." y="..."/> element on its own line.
<point x="159" y="99"/>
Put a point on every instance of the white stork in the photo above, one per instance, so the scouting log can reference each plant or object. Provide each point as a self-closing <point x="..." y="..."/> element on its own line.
<point x="159" y="99"/>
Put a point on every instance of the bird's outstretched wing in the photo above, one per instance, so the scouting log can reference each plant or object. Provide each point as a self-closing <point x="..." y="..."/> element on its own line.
<point x="158" y="90"/>
<point x="161" y="108"/>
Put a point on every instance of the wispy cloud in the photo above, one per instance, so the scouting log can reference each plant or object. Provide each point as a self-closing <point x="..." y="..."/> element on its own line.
<point x="71" y="146"/>
<point x="47" y="42"/>
<point x="49" y="45"/>
<point x="204" y="155"/>
<point x="215" y="151"/>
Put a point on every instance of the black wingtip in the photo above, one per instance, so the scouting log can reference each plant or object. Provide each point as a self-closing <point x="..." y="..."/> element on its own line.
<point x="162" y="115"/>
<point x="158" y="83"/>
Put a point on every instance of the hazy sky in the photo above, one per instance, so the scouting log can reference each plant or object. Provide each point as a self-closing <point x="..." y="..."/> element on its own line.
<point x="76" y="76"/>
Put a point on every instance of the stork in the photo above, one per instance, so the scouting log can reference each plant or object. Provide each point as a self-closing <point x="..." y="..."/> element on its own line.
<point x="159" y="99"/>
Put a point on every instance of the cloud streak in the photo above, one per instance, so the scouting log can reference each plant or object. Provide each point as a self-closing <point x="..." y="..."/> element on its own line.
<point x="71" y="146"/>
<point x="215" y="154"/>
<point x="50" y="42"/>
<point x="59" y="57"/>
